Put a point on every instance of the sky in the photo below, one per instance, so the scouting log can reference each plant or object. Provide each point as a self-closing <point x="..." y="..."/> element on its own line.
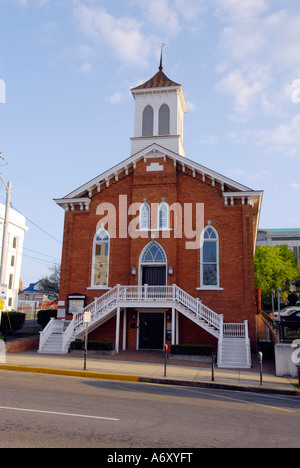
<point x="67" y="114"/>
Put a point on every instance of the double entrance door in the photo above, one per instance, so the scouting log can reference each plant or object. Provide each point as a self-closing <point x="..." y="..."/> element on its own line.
<point x="151" y="324"/>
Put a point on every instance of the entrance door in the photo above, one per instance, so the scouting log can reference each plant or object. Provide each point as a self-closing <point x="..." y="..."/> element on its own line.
<point x="151" y="330"/>
<point x="154" y="275"/>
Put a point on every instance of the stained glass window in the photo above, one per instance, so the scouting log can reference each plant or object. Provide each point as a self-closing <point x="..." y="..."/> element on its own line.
<point x="210" y="257"/>
<point x="100" y="258"/>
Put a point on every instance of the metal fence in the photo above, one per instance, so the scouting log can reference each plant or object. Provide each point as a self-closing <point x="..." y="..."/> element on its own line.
<point x="288" y="331"/>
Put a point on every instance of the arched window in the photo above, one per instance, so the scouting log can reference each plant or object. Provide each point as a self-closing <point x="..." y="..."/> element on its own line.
<point x="147" y="129"/>
<point x="163" y="216"/>
<point x="153" y="253"/>
<point x="145" y="216"/>
<point x="209" y="257"/>
<point x="100" y="264"/>
<point x="164" y="120"/>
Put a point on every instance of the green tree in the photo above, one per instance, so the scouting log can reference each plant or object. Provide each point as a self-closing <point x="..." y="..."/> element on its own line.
<point x="275" y="267"/>
<point x="50" y="284"/>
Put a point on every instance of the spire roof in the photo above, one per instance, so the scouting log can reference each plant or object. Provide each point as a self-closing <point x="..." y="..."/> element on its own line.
<point x="159" y="80"/>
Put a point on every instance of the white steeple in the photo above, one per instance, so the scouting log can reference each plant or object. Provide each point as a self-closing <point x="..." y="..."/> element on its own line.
<point x="159" y="110"/>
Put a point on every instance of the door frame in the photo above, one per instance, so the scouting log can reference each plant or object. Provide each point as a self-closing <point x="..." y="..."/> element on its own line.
<point x="152" y="311"/>
<point x="141" y="264"/>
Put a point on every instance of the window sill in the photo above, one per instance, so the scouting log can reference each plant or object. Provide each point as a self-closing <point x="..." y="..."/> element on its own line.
<point x="153" y="230"/>
<point x="210" y="288"/>
<point x="98" y="287"/>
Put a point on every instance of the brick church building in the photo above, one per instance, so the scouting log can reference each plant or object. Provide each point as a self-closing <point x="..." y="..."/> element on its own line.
<point x="159" y="249"/>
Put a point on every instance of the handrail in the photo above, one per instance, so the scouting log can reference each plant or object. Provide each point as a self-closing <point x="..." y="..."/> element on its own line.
<point x="44" y="334"/>
<point x="67" y="335"/>
<point x="171" y="293"/>
<point x="148" y="293"/>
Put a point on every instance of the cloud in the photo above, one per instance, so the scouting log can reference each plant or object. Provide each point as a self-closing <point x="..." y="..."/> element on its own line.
<point x="123" y="36"/>
<point x="246" y="85"/>
<point x="237" y="10"/>
<point x="85" y="68"/>
<point x="284" y="138"/>
<point x="294" y="186"/>
<point x="209" y="140"/>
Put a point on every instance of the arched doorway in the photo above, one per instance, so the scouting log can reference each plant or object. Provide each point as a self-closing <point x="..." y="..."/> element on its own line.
<point x="153" y="265"/>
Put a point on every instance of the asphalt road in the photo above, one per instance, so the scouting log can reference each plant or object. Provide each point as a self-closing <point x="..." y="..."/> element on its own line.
<point x="50" y="411"/>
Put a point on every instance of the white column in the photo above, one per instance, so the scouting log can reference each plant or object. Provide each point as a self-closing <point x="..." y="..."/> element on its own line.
<point x="173" y="325"/>
<point x="124" y="328"/>
<point x="117" y="330"/>
<point x="177" y="327"/>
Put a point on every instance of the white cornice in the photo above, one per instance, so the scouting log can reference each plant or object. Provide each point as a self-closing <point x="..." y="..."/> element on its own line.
<point x="154" y="150"/>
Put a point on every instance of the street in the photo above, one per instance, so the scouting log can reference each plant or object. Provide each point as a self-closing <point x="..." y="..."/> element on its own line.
<point x="53" y="411"/>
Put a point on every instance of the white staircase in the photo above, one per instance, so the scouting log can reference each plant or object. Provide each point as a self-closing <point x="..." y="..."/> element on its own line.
<point x="233" y="340"/>
<point x="235" y="353"/>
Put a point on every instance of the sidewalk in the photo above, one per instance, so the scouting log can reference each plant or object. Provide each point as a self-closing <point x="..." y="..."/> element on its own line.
<point x="148" y="366"/>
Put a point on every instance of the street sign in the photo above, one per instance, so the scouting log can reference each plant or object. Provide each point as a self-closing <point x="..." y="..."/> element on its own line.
<point x="3" y="291"/>
<point x="87" y="317"/>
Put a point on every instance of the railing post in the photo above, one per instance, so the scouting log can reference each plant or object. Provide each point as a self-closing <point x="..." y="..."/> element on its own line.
<point x="118" y="291"/>
<point x="174" y="292"/>
<point x="146" y="290"/>
<point x="220" y="341"/>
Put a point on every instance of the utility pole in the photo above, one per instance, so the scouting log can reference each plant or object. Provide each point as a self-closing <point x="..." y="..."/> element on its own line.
<point x="5" y="235"/>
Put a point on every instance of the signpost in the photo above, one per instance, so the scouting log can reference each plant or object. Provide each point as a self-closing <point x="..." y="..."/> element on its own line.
<point x="3" y="293"/>
<point x="86" y="319"/>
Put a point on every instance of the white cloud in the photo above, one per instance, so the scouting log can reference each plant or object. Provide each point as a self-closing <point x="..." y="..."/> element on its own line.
<point x="162" y="14"/>
<point x="294" y="186"/>
<point x="85" y="68"/>
<point x="209" y="140"/>
<point x="122" y="35"/>
<point x="284" y="138"/>
<point x="116" y="98"/>
<point x="246" y="86"/>
<point x="236" y="10"/>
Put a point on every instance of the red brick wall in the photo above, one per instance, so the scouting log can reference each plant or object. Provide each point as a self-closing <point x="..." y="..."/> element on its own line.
<point x="237" y="298"/>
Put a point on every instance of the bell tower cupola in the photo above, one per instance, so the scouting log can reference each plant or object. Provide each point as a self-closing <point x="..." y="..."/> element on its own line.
<point x="159" y="111"/>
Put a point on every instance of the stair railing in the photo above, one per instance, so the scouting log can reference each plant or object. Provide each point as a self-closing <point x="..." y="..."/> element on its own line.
<point x="44" y="334"/>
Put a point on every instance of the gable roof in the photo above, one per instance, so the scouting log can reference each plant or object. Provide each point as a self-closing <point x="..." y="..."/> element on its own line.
<point x="154" y="150"/>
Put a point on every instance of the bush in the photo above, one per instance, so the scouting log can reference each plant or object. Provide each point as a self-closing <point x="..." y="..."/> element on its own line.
<point x="92" y="345"/>
<point x="44" y="316"/>
<point x="12" y="321"/>
<point x="199" y="350"/>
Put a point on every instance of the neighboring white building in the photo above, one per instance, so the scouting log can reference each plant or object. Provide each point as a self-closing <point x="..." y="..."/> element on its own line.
<point x="273" y="237"/>
<point x="16" y="231"/>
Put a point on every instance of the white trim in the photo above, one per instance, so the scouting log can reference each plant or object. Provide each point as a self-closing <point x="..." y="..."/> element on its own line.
<point x="124" y="165"/>
<point x="141" y="264"/>
<point x="142" y="207"/>
<point x="202" y="240"/>
<point x="163" y="228"/>
<point x="102" y="286"/>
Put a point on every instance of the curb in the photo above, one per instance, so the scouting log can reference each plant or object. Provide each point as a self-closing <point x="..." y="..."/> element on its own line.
<point x="72" y="373"/>
<point x="135" y="378"/>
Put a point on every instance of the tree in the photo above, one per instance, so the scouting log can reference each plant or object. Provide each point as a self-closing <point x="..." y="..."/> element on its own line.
<point x="275" y="267"/>
<point x="50" y="284"/>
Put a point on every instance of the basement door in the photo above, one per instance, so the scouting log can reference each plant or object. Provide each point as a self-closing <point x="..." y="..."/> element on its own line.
<point x="151" y="330"/>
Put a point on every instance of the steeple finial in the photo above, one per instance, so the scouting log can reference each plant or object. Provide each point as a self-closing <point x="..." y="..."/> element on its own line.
<point x="161" y="57"/>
